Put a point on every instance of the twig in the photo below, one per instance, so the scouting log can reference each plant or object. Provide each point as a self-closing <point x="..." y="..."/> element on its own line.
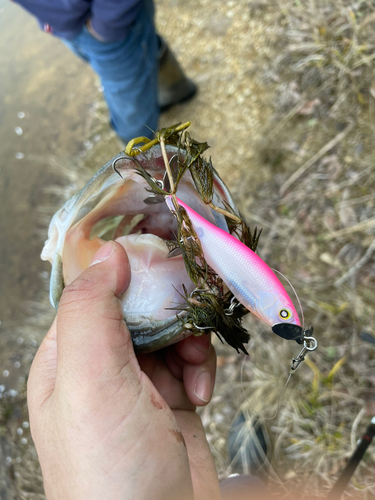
<point x="355" y="201"/>
<point x="171" y="182"/>
<point x="358" y="265"/>
<point x="361" y="226"/>
<point x="169" y="172"/>
<point x="224" y="212"/>
<point x="167" y="166"/>
<point x="349" y="182"/>
<point x="339" y="137"/>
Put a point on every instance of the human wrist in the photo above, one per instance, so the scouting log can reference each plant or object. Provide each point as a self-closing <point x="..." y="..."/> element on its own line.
<point x="205" y="480"/>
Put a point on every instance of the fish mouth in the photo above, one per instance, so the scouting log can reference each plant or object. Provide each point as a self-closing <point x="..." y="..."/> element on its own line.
<point x="289" y="331"/>
<point x="111" y="207"/>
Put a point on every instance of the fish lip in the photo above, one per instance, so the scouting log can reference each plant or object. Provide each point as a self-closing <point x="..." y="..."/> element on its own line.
<point x="289" y="331"/>
<point x="147" y="334"/>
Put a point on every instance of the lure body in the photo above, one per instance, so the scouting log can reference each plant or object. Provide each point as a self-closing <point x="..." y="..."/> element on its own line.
<point x="247" y="276"/>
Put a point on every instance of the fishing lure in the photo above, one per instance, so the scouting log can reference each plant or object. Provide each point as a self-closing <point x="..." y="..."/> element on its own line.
<point x="247" y="276"/>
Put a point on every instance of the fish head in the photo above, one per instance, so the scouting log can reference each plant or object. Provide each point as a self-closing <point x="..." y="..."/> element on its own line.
<point x="112" y="207"/>
<point x="277" y="309"/>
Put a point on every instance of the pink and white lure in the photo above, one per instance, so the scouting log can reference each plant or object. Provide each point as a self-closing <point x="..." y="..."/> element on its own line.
<point x="246" y="275"/>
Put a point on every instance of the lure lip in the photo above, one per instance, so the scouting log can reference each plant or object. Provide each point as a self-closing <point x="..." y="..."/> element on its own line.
<point x="289" y="331"/>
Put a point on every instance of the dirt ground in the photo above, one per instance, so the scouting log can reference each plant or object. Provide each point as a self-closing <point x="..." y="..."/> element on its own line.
<point x="286" y="100"/>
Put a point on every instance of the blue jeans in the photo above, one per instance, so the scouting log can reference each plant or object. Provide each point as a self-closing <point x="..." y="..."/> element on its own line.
<point x="128" y="70"/>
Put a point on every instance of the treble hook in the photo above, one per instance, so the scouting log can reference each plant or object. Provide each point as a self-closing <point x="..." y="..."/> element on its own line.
<point x="160" y="183"/>
<point x="204" y="290"/>
<point x="203" y="327"/>
<point x="114" y="165"/>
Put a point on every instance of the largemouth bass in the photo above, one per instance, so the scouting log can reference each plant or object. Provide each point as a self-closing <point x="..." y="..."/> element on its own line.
<point x="111" y="206"/>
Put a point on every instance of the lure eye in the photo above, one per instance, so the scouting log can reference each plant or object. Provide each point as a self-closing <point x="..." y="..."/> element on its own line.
<point x="285" y="314"/>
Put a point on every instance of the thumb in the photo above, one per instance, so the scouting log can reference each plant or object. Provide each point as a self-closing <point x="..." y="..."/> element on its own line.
<point x="41" y="380"/>
<point x="93" y="342"/>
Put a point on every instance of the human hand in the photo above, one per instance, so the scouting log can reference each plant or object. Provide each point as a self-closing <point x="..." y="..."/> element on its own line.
<point x="101" y="419"/>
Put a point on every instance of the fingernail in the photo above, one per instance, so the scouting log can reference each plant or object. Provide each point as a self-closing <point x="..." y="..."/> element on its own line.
<point x="202" y="387"/>
<point x="104" y="252"/>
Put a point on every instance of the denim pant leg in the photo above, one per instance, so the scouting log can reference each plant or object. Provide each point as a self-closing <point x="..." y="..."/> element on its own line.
<point x="129" y="71"/>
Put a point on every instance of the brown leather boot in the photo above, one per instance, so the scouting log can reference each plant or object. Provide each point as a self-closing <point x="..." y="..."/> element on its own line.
<point x="174" y="86"/>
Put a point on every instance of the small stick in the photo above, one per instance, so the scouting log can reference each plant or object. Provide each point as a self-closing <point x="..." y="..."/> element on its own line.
<point x="169" y="173"/>
<point x="361" y="226"/>
<point x="362" y="261"/>
<point x="167" y="166"/>
<point x="196" y="302"/>
<point x="171" y="181"/>
<point x="224" y="212"/>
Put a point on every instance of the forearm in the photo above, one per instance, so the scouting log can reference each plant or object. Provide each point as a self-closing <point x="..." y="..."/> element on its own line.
<point x="203" y="471"/>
